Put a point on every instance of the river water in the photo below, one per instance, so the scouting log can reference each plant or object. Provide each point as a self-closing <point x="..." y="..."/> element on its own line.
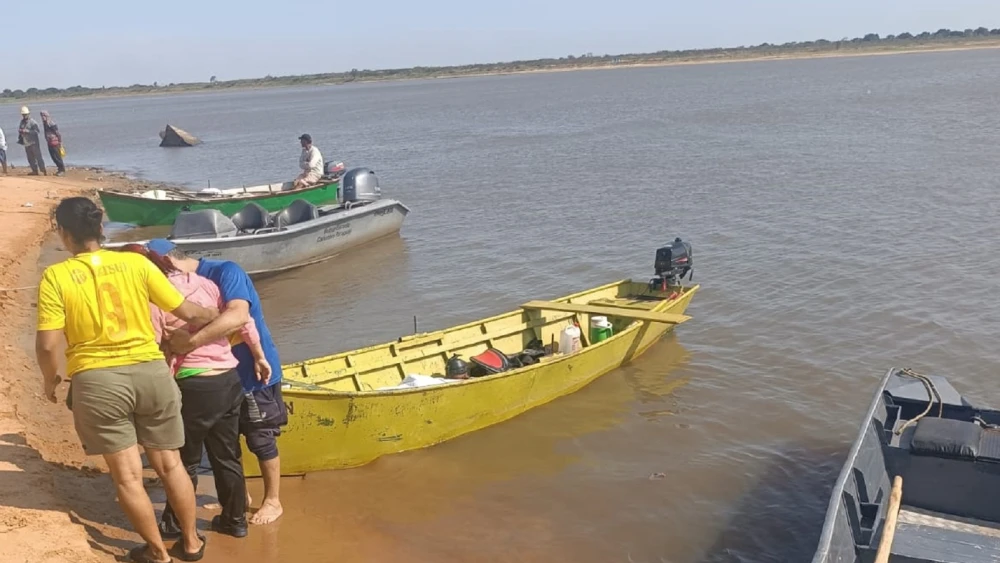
<point x="844" y="217"/>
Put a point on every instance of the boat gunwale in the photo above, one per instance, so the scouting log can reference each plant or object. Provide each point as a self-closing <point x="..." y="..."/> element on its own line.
<point x="836" y="494"/>
<point x="295" y="228"/>
<point x="332" y="394"/>
<point x="218" y="198"/>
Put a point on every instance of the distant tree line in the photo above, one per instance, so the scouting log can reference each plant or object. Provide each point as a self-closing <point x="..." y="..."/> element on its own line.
<point x="871" y="42"/>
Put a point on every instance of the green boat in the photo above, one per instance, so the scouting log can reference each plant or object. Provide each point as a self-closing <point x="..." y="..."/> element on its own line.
<point x="160" y="207"/>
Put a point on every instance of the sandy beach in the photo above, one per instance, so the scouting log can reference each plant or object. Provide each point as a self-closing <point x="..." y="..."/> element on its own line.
<point x="57" y="505"/>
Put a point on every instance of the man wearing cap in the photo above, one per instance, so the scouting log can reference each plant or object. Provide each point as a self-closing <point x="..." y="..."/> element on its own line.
<point x="27" y="135"/>
<point x="263" y="413"/>
<point x="311" y="163"/>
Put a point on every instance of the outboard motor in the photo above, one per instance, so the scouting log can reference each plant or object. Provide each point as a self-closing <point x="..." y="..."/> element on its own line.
<point x="672" y="264"/>
<point x="361" y="184"/>
<point x="332" y="169"/>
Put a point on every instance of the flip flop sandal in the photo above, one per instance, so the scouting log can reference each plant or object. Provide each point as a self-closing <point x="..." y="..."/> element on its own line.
<point x="140" y="555"/>
<point x="196" y="556"/>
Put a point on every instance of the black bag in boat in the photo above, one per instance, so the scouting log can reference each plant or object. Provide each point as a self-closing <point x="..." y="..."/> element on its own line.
<point x="534" y="350"/>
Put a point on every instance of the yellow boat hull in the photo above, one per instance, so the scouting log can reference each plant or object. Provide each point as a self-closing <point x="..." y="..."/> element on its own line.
<point x="339" y="418"/>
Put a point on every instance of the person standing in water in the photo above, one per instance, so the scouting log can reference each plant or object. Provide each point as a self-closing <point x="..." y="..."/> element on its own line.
<point x="121" y="392"/>
<point x="54" y="139"/>
<point x="263" y="413"/>
<point x="27" y="136"/>
<point x="212" y="397"/>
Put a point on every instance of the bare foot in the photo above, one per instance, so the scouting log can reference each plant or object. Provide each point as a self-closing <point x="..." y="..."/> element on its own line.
<point x="269" y="512"/>
<point x="249" y="500"/>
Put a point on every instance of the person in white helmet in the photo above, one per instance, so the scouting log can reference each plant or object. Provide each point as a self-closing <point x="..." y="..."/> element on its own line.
<point x="27" y="135"/>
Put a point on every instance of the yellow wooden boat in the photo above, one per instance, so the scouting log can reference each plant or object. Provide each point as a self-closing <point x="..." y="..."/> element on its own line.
<point x="341" y="416"/>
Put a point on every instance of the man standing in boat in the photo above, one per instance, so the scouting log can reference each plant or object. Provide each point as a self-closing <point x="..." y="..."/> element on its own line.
<point x="311" y="163"/>
<point x="263" y="413"/>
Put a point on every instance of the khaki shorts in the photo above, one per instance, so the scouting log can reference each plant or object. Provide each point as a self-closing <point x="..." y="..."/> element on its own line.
<point x="115" y="408"/>
<point x="309" y="178"/>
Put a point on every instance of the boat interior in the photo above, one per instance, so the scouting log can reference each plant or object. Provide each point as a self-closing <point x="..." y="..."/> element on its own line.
<point x="335" y="171"/>
<point x="359" y="188"/>
<point x="946" y="453"/>
<point x="529" y="335"/>
<point x="252" y="219"/>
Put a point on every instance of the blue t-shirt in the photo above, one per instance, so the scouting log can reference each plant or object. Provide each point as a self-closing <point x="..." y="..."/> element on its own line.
<point x="234" y="283"/>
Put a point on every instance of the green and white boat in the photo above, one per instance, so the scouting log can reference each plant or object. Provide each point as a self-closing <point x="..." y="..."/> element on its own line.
<point x="161" y="207"/>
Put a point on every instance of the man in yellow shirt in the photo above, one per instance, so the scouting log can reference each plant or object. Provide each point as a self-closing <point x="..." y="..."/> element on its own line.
<point x="122" y="393"/>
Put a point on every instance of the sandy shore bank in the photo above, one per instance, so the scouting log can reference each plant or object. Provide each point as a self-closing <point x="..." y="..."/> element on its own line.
<point x="55" y="504"/>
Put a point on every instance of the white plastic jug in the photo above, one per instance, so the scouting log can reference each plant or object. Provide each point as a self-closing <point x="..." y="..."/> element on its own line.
<point x="569" y="340"/>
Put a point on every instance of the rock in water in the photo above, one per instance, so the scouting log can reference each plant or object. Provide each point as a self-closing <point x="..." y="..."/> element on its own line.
<point x="174" y="137"/>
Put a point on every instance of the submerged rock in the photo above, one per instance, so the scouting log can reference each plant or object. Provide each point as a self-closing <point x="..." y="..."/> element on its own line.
<point x="174" y="137"/>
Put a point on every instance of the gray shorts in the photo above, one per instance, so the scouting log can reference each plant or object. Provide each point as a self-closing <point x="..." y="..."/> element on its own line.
<point x="116" y="408"/>
<point x="3" y="156"/>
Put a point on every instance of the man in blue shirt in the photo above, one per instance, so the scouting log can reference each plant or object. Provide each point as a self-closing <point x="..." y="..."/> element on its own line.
<point x="263" y="413"/>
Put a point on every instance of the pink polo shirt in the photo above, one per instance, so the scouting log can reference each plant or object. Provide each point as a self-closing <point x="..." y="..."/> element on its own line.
<point x="204" y="292"/>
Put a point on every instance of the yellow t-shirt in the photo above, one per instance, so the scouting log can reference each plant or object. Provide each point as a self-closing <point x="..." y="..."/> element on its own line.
<point x="100" y="300"/>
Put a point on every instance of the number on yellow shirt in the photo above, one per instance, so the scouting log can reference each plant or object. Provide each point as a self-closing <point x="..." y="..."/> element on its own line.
<point x="114" y="310"/>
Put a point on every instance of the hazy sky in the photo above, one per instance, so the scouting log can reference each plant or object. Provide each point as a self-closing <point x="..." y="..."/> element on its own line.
<point x="116" y="42"/>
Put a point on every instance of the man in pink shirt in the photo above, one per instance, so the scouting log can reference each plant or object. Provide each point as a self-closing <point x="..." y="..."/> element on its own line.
<point x="212" y="396"/>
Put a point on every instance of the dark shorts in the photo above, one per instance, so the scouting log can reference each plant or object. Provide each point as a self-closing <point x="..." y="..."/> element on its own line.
<point x="3" y="156"/>
<point x="261" y="418"/>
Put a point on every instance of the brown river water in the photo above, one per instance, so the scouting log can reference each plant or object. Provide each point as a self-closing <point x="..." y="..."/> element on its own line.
<point x="844" y="217"/>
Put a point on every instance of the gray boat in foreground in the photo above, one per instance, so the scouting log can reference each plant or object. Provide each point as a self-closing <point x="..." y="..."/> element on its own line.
<point x="921" y="482"/>
<point x="298" y="235"/>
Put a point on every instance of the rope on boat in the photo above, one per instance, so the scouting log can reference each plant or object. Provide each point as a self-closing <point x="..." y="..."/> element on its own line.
<point x="932" y="393"/>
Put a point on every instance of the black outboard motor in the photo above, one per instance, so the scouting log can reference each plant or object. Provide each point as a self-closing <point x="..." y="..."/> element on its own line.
<point x="672" y="264"/>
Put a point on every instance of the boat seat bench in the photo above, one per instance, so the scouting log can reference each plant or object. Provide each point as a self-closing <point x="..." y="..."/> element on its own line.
<point x="956" y="439"/>
<point x="927" y="537"/>
<point x="299" y="211"/>
<point x="251" y="218"/>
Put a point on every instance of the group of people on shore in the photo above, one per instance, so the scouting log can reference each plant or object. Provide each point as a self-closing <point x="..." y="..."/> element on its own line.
<point x="30" y="136"/>
<point x="166" y="352"/>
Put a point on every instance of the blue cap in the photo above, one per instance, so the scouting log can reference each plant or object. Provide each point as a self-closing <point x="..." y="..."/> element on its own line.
<point x="160" y="246"/>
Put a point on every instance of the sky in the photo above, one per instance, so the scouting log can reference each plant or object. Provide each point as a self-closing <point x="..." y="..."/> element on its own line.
<point x="61" y="43"/>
